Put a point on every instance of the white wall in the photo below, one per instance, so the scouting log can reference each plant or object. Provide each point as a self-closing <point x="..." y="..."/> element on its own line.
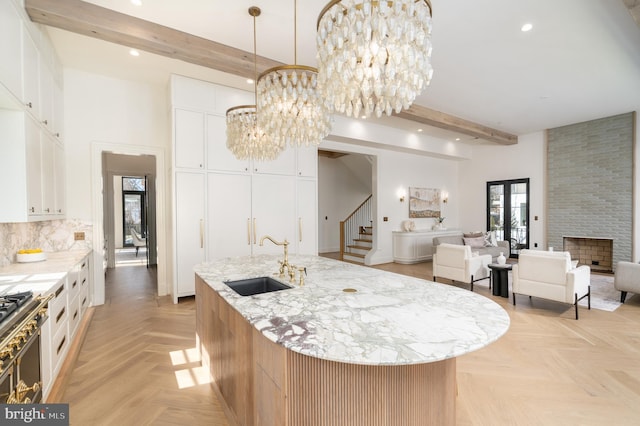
<point x="120" y="116"/>
<point x="394" y="171"/>
<point x="526" y="159"/>
<point x="340" y="191"/>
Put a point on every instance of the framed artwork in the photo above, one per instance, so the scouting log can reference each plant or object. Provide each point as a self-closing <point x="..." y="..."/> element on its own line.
<point x="424" y="202"/>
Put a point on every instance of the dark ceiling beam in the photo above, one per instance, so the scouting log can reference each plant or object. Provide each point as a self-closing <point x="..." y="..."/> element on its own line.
<point x="105" y="24"/>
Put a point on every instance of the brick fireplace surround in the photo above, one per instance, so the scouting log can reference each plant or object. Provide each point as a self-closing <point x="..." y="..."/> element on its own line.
<point x="597" y="253"/>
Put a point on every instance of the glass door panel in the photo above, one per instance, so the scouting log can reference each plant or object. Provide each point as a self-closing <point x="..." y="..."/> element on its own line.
<point x="508" y="212"/>
<point x="133" y="208"/>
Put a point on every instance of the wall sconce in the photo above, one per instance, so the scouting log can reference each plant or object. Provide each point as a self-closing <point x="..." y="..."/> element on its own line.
<point x="445" y="197"/>
<point x="402" y="199"/>
<point x="400" y="193"/>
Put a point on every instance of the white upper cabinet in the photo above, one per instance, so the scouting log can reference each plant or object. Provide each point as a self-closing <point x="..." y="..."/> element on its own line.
<point x="218" y="155"/>
<point x="33" y="172"/>
<point x="307" y="165"/>
<point x="46" y="97"/>
<point x="285" y="164"/>
<point x="31" y="74"/>
<point x="11" y="49"/>
<point x="189" y="139"/>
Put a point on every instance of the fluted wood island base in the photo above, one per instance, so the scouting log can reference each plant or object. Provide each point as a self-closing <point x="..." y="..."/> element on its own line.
<point x="383" y="352"/>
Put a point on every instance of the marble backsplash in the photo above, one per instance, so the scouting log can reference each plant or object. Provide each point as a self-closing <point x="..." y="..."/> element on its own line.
<point x="50" y="236"/>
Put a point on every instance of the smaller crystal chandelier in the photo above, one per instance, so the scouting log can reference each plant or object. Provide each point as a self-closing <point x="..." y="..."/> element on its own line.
<point x="245" y="139"/>
<point x="291" y="110"/>
<point x="374" y="56"/>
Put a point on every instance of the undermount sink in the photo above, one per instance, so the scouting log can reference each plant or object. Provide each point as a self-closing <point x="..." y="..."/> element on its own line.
<point x="250" y="286"/>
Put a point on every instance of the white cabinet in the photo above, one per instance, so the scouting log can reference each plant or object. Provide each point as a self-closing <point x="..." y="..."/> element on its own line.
<point x="230" y="222"/>
<point x="65" y="312"/>
<point x="415" y="247"/>
<point x="10" y="48"/>
<point x="273" y="207"/>
<point x="307" y="217"/>
<point x="189" y="139"/>
<point x="307" y="165"/>
<point x="30" y="74"/>
<point x="242" y="200"/>
<point x="189" y="229"/>
<point x="46" y="96"/>
<point x="33" y="162"/>
<point x="218" y="155"/>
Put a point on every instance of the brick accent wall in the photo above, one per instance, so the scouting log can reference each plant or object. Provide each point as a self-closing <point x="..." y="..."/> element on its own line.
<point x="590" y="182"/>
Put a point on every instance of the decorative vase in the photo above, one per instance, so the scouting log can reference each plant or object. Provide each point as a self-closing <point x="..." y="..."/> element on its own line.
<point x="501" y="259"/>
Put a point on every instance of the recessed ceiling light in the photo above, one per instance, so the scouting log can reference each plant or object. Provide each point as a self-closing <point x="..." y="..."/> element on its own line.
<point x="134" y="52"/>
<point x="364" y="117"/>
<point x="419" y="130"/>
<point x="249" y="81"/>
<point x="526" y="27"/>
<point x="136" y="2"/>
<point x="457" y="139"/>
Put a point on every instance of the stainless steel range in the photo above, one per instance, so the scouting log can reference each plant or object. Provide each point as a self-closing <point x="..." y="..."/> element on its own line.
<point x="21" y="317"/>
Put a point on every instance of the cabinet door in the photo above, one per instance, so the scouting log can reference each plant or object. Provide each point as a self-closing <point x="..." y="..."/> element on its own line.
<point x="58" y="112"/>
<point x="218" y="155"/>
<point x="11" y="63"/>
<point x="307" y="218"/>
<point x="274" y="210"/>
<point x="59" y="179"/>
<point x="229" y="216"/>
<point x="285" y="164"/>
<point x="308" y="161"/>
<point x="189" y="220"/>
<point x="189" y="139"/>
<point x="30" y="73"/>
<point x="46" y="96"/>
<point x="47" y="145"/>
<point x="34" y="168"/>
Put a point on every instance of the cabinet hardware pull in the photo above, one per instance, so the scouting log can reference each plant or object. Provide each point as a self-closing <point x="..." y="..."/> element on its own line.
<point x="57" y="135"/>
<point x="64" y="339"/>
<point x="75" y="283"/>
<point x="300" y="228"/>
<point x="60" y="315"/>
<point x="84" y="301"/>
<point x="45" y="122"/>
<point x="29" y="104"/>
<point x="33" y="209"/>
<point x="58" y="291"/>
<point x="255" y="240"/>
<point x="46" y="210"/>
<point x="75" y="314"/>
<point x="201" y="233"/>
<point x="84" y="281"/>
<point x="248" y="231"/>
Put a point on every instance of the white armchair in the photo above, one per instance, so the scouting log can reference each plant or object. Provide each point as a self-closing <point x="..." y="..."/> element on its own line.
<point x="551" y="275"/>
<point x="457" y="263"/>
<point x="627" y="278"/>
<point x="138" y="241"/>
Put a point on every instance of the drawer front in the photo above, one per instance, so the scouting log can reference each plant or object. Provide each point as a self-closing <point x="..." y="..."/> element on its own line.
<point x="58" y="314"/>
<point x="59" y="349"/>
<point x="83" y="300"/>
<point x="74" y="315"/>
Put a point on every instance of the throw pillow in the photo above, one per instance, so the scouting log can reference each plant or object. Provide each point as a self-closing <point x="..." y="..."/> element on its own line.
<point x="490" y="239"/>
<point x="475" y="242"/>
<point x="472" y="234"/>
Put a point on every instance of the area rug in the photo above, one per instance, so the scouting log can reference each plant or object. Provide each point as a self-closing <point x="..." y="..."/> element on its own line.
<point x="603" y="295"/>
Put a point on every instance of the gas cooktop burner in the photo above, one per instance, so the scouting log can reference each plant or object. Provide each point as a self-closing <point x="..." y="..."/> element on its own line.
<point x="10" y="302"/>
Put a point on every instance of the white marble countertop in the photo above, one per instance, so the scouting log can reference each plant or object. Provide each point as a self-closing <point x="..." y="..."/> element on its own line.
<point x="39" y="277"/>
<point x="392" y="319"/>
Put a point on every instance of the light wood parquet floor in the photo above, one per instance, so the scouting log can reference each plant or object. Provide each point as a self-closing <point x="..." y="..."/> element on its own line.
<point x="547" y="370"/>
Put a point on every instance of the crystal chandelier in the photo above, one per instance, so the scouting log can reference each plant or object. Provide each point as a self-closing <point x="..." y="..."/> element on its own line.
<point x="291" y="110"/>
<point x="374" y="56"/>
<point x="245" y="138"/>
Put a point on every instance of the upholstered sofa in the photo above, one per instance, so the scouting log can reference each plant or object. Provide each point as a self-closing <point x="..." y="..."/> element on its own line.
<point x="627" y="278"/>
<point x="501" y="246"/>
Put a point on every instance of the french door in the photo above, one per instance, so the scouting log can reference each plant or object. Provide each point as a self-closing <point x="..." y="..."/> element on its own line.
<point x="508" y="212"/>
<point x="134" y="212"/>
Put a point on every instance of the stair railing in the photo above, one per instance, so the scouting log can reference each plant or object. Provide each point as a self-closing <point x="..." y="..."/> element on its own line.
<point x="350" y="227"/>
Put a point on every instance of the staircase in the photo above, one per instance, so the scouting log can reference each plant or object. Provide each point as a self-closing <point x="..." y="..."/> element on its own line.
<point x="360" y="247"/>
<point x="356" y="238"/>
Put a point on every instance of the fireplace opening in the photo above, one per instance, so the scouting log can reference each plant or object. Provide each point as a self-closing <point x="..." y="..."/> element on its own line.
<point x="596" y="253"/>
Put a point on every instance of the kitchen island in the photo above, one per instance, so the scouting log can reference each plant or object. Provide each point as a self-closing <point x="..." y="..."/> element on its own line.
<point x="381" y="353"/>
